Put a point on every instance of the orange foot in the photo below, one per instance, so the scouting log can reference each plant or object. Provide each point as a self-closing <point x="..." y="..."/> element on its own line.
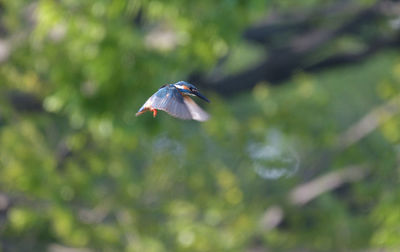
<point x="154" y="112"/>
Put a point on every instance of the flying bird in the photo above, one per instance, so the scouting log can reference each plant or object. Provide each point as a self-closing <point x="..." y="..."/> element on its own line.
<point x="174" y="99"/>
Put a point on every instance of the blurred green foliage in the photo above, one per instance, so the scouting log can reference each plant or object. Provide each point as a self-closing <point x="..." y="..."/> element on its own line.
<point x="86" y="173"/>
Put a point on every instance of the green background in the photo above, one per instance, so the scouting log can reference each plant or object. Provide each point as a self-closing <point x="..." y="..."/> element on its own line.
<point x="80" y="171"/>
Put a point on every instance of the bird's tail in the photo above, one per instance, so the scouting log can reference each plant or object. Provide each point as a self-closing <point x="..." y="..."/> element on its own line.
<point x="141" y="111"/>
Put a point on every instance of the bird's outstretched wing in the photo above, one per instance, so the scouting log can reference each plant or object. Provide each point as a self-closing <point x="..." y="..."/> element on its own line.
<point x="197" y="113"/>
<point x="169" y="100"/>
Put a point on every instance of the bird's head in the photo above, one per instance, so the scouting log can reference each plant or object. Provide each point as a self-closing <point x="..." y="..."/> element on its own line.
<point x="189" y="89"/>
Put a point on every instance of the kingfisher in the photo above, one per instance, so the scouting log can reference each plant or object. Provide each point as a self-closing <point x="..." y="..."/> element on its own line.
<point x="174" y="99"/>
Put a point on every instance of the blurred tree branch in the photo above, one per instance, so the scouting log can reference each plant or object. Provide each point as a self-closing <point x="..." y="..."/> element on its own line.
<point x="295" y="51"/>
<point x="369" y="123"/>
<point x="312" y="189"/>
<point x="24" y="102"/>
<point x="306" y="192"/>
<point x="294" y="23"/>
<point x="355" y="133"/>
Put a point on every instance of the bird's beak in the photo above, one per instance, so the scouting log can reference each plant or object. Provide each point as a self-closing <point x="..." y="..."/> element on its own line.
<point x="198" y="94"/>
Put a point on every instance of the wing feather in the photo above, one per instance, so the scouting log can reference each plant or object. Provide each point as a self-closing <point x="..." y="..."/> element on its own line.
<point x="197" y="113"/>
<point x="169" y="100"/>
